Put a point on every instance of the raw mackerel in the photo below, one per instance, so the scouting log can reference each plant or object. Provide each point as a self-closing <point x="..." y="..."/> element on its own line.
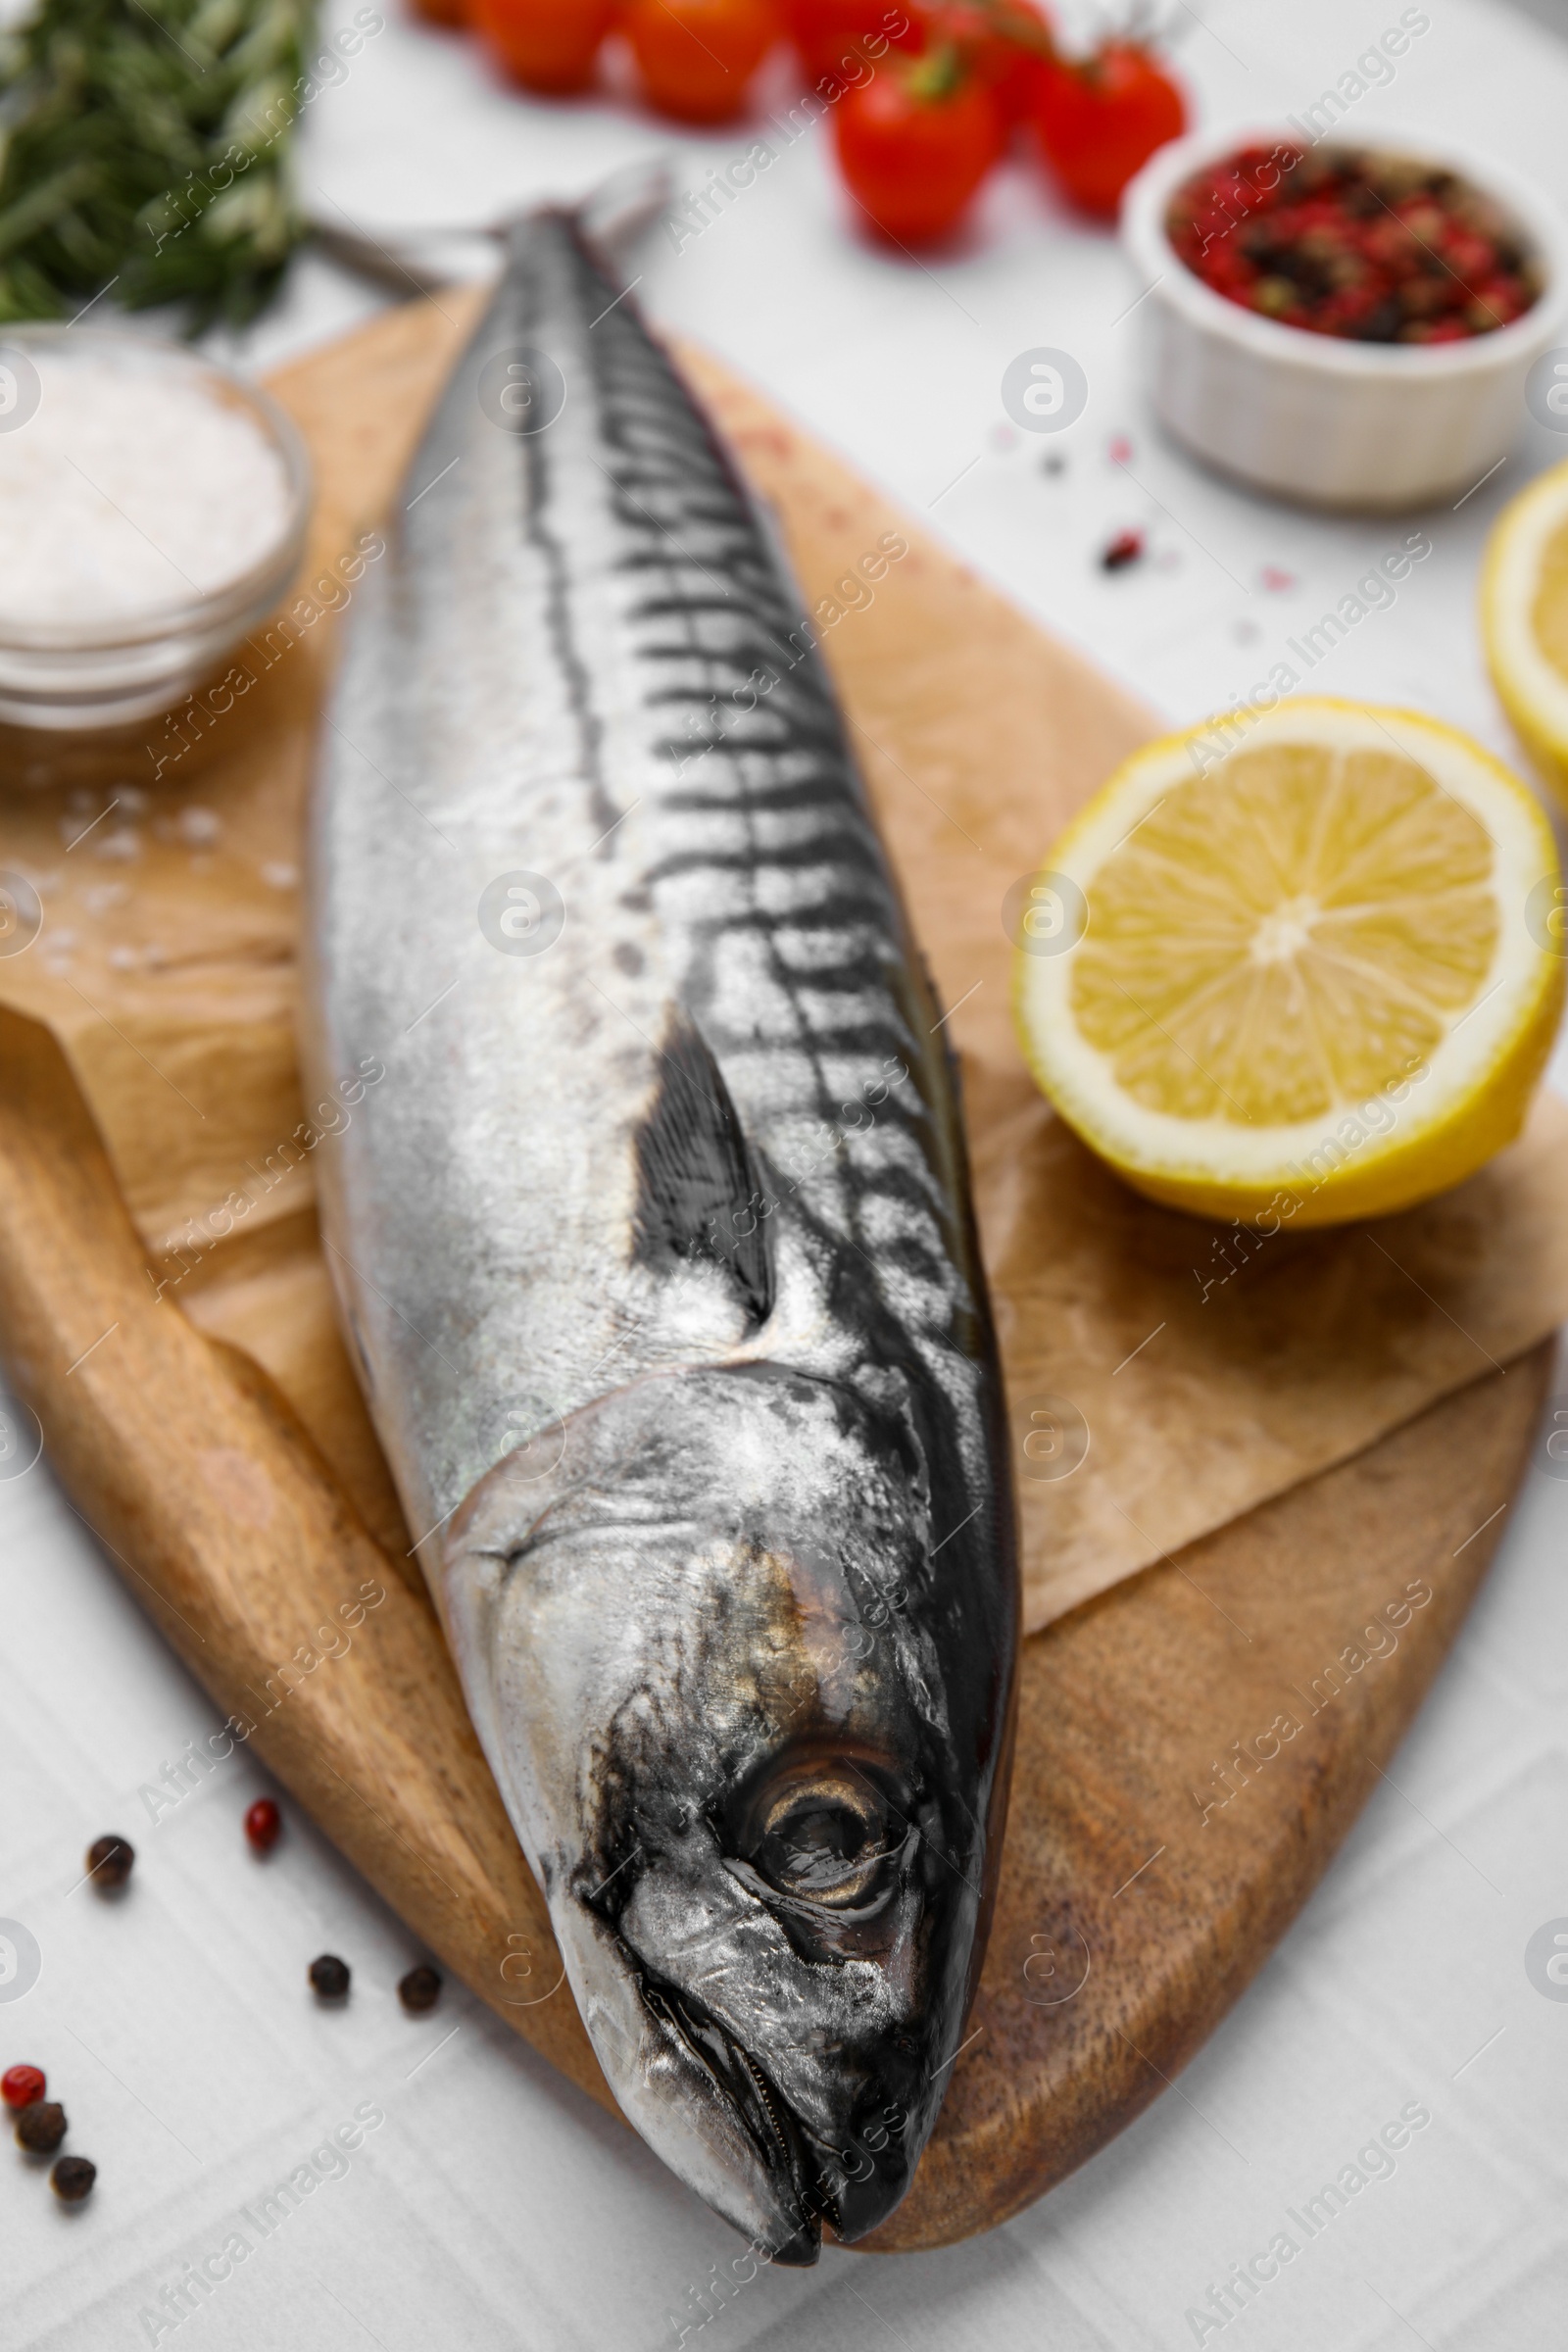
<point x="655" y="1254"/>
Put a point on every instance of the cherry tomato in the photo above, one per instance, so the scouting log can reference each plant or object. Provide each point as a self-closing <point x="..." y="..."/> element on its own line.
<point x="1011" y="68"/>
<point x="548" y="45"/>
<point x="696" y="57"/>
<point x="1100" y="122"/>
<point x="825" y="32"/>
<point x="914" y="145"/>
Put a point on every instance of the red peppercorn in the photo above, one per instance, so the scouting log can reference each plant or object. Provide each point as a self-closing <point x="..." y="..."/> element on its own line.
<point x="21" y="2085"/>
<point x="264" y="1825"/>
<point x="1126" y="548"/>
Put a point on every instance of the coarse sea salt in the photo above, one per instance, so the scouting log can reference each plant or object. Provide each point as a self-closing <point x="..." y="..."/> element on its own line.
<point x="134" y="486"/>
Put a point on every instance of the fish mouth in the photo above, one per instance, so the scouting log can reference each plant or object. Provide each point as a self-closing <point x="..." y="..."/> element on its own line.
<point x="765" y="2116"/>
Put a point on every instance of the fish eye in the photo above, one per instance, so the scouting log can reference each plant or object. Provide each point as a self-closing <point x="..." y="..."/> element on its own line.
<point x="821" y="1832"/>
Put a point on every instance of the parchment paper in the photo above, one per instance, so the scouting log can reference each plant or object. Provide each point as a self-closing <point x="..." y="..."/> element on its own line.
<point x="1147" y="1408"/>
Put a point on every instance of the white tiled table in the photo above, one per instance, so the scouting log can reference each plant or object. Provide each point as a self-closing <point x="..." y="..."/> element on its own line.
<point x="492" y="2207"/>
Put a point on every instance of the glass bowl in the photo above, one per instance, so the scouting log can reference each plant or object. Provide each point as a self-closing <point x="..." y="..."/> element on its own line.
<point x="102" y="672"/>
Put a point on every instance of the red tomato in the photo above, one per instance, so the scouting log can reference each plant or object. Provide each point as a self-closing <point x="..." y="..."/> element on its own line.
<point x="1010" y="69"/>
<point x="826" y="32"/>
<point x="914" y="146"/>
<point x="1100" y="122"/>
<point x="696" y="57"/>
<point x="548" y="45"/>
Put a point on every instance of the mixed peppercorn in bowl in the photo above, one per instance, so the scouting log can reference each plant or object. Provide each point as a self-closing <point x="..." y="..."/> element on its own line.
<point x="1345" y="241"/>
<point x="1346" y="325"/>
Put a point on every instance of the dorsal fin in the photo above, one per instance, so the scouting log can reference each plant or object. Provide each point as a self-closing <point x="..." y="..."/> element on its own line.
<point x="698" y="1192"/>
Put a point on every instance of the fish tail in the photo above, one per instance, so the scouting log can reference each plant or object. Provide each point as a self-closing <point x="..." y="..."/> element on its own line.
<point x="610" y="220"/>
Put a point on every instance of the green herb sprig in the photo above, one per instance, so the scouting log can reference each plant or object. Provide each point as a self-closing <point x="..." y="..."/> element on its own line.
<point x="145" y="148"/>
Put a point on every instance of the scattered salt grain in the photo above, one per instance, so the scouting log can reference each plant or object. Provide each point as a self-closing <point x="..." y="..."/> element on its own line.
<point x="133" y="487"/>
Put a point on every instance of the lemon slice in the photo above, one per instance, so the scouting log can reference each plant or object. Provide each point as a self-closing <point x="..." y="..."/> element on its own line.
<point x="1524" y="619"/>
<point x="1304" y="966"/>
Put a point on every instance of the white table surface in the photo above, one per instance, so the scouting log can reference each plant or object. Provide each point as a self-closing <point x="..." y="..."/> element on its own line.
<point x="494" y="2207"/>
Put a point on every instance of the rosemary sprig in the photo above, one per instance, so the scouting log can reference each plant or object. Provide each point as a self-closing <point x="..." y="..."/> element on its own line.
<point x="145" y="144"/>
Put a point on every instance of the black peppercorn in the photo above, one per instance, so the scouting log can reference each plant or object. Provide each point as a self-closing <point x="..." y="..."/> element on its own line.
<point x="109" y="1861"/>
<point x="72" y="2179"/>
<point x="330" y="1976"/>
<point x="420" y="1989"/>
<point x="41" y="2127"/>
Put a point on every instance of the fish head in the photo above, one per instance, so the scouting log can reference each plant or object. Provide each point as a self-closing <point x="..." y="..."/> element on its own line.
<point x="751" y="1756"/>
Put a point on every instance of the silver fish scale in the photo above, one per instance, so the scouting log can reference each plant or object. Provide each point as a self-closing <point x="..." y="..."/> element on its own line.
<point x="559" y="668"/>
<point x="771" y="873"/>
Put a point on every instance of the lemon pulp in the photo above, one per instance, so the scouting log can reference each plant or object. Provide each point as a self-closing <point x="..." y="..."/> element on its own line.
<point x="1524" y="619"/>
<point x="1548" y="611"/>
<point x="1290" y="932"/>
<point x="1305" y="964"/>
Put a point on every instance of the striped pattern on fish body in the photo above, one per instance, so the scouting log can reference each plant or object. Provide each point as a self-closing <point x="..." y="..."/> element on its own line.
<point x="679" y="1102"/>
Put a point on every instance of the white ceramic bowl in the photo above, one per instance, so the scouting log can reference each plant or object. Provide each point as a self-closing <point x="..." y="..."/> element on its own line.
<point x="1314" y="418"/>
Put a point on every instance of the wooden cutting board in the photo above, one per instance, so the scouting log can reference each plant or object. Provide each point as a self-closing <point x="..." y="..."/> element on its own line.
<point x="1193" y="1745"/>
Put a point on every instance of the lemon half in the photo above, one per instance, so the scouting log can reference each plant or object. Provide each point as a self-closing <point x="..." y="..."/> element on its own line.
<point x="1524" y="619"/>
<point x="1304" y="965"/>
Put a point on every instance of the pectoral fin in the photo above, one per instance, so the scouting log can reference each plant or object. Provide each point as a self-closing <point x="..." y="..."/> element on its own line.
<point x="700" y="1193"/>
